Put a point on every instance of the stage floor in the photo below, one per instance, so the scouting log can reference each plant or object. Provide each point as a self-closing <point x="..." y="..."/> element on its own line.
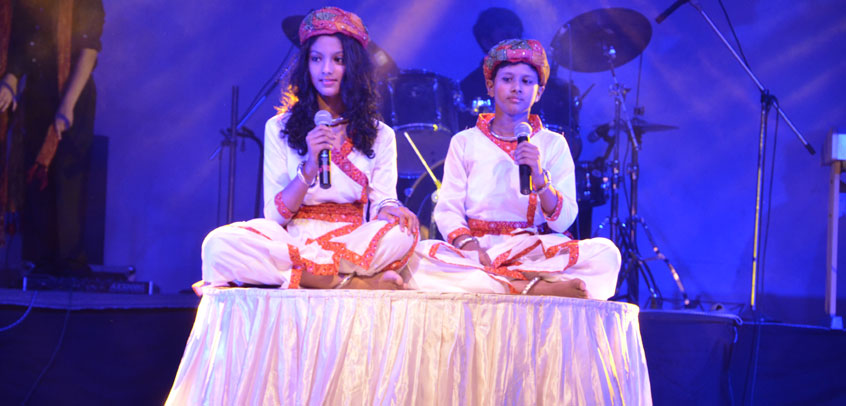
<point x="125" y="349"/>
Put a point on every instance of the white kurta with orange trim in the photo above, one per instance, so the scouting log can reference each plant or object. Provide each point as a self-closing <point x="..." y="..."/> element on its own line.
<point x="327" y="235"/>
<point x="480" y="196"/>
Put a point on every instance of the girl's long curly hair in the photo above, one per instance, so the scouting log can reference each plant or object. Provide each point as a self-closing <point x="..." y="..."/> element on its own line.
<point x="357" y="93"/>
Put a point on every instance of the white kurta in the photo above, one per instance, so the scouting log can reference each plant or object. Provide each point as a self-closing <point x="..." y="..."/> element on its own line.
<point x="480" y="195"/>
<point x="327" y="235"/>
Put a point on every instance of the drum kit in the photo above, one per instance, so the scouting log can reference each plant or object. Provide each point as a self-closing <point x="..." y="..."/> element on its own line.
<point x="424" y="107"/>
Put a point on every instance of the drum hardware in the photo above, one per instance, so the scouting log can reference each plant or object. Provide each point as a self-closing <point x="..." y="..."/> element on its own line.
<point x="579" y="99"/>
<point x="593" y="183"/>
<point x="601" y="40"/>
<point x="480" y="106"/>
<point x="558" y="109"/>
<point x="422" y="160"/>
<point x="421" y="200"/>
<point x="237" y="126"/>
<point x="433" y="227"/>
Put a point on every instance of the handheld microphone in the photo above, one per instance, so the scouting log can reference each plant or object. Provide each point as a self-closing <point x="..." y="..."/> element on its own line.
<point x="523" y="131"/>
<point x="324" y="160"/>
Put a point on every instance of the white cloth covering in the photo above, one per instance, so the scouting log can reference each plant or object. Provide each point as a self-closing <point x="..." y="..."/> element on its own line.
<point x="276" y="249"/>
<point x="315" y="347"/>
<point x="481" y="182"/>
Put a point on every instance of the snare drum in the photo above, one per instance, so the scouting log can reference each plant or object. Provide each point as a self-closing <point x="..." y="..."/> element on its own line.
<point x="424" y="105"/>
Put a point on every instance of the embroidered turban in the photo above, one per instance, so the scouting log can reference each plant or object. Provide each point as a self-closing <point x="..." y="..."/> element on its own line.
<point x="331" y="20"/>
<point x="518" y="50"/>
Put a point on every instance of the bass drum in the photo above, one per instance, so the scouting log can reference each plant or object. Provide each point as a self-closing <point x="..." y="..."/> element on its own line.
<point x="417" y="194"/>
<point x="558" y="109"/>
<point x="424" y="105"/>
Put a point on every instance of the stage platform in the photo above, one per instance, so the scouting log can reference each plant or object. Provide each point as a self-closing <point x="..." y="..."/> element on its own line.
<point x="126" y="349"/>
<point x="315" y="347"/>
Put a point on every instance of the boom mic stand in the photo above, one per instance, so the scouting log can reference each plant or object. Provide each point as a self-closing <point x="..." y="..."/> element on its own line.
<point x="767" y="102"/>
<point x="237" y="129"/>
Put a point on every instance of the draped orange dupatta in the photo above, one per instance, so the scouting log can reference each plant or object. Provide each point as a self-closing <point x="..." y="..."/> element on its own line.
<point x="38" y="172"/>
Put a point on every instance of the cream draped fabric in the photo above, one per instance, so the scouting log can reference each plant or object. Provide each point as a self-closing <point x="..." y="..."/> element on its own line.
<point x="311" y="347"/>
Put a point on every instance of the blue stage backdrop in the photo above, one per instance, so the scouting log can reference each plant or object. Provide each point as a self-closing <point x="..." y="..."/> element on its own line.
<point x="165" y="80"/>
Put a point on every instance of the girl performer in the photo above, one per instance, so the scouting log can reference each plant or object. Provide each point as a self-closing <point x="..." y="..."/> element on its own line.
<point x="500" y="240"/>
<point x="312" y="236"/>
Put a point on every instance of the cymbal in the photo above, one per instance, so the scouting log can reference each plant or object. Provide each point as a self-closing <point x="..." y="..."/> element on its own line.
<point x="639" y="125"/>
<point x="291" y="28"/>
<point x="642" y="126"/>
<point x="620" y="34"/>
<point x="383" y="65"/>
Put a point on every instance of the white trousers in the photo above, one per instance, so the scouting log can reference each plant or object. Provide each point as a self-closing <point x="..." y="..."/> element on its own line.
<point x="262" y="252"/>
<point x="436" y="266"/>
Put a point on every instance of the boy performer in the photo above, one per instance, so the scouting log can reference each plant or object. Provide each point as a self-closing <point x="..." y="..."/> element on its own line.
<point x="499" y="240"/>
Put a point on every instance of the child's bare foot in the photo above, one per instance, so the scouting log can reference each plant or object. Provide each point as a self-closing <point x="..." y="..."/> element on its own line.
<point x="571" y="288"/>
<point x="388" y="280"/>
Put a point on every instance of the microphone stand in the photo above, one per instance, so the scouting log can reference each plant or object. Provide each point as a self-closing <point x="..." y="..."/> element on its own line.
<point x="236" y="128"/>
<point x="768" y="101"/>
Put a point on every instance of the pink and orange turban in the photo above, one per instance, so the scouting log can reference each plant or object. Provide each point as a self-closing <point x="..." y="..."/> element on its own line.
<point x="518" y="50"/>
<point x="331" y="20"/>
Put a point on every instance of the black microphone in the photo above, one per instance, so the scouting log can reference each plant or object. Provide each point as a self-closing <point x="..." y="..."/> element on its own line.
<point x="663" y="16"/>
<point x="324" y="160"/>
<point x="523" y="131"/>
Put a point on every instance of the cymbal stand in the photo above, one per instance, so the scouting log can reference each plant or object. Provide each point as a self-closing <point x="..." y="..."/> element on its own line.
<point x="624" y="234"/>
<point x="636" y="260"/>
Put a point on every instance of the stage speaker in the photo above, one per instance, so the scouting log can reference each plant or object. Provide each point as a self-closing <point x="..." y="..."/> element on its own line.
<point x="688" y="355"/>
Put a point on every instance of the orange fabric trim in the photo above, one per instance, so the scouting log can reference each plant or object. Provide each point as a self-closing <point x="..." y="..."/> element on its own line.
<point x="333" y="212"/>
<point x="558" y="206"/>
<point x="499" y="267"/>
<point x="296" y="269"/>
<point x="456" y="233"/>
<point x="433" y="250"/>
<point x="296" y="277"/>
<point x="481" y="228"/>
<point x="340" y="251"/>
<point x="533" y="206"/>
<point x="572" y="248"/>
<point x="283" y="210"/>
<point x="341" y="159"/>
<point x="513" y="261"/>
<point x="254" y="231"/>
<point x="483" y="123"/>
